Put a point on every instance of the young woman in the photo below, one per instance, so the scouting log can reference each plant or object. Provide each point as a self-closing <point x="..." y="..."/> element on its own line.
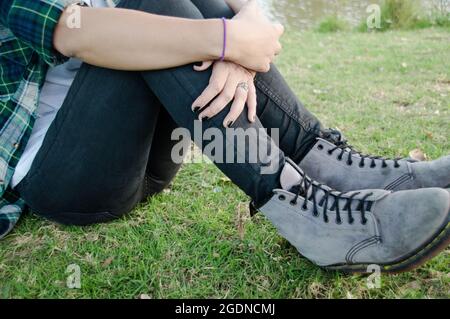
<point x="83" y="140"/>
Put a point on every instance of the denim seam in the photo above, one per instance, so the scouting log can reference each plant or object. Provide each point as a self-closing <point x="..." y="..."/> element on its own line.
<point x="284" y="106"/>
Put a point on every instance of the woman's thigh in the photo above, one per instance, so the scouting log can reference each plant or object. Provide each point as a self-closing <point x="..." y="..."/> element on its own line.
<point x="92" y="163"/>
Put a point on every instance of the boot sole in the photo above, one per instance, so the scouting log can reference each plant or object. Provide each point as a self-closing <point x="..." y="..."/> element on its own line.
<point x="420" y="257"/>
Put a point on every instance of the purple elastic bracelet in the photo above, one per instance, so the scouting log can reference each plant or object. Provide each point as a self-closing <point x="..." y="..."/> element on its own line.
<point x="222" y="57"/>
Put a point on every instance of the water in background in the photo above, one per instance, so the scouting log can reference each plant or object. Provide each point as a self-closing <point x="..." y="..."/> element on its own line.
<point x="304" y="14"/>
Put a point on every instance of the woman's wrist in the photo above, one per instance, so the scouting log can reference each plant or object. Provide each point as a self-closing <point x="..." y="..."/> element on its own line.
<point x="210" y="32"/>
<point x="232" y="51"/>
<point x="221" y="39"/>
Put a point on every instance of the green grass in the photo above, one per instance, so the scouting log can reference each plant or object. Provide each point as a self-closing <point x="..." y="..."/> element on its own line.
<point x="332" y="24"/>
<point x="400" y="14"/>
<point x="409" y="15"/>
<point x="442" y="20"/>
<point x="388" y="92"/>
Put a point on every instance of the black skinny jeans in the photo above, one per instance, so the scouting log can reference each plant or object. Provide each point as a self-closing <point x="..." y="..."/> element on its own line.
<point x="110" y="145"/>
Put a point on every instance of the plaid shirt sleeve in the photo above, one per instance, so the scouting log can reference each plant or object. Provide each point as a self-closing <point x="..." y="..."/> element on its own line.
<point x="33" y="22"/>
<point x="11" y="207"/>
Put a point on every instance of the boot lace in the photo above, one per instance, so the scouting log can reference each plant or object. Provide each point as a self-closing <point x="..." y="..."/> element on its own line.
<point x="342" y="146"/>
<point x="308" y="186"/>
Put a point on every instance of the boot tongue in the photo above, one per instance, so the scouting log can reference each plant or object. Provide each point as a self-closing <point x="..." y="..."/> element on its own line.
<point x="291" y="180"/>
<point x="290" y="177"/>
<point x="332" y="136"/>
<point x="335" y="137"/>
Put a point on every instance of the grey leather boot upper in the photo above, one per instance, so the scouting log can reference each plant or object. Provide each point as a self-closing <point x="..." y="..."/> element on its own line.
<point x="345" y="230"/>
<point x="338" y="166"/>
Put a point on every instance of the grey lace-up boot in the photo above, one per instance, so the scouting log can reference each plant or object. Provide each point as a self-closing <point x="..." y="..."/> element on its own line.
<point x="349" y="231"/>
<point x="333" y="162"/>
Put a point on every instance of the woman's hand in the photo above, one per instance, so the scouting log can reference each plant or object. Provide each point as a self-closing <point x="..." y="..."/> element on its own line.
<point x="228" y="82"/>
<point x="253" y="39"/>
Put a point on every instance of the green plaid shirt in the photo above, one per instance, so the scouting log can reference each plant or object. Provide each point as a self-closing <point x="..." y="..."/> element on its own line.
<point x="26" y="52"/>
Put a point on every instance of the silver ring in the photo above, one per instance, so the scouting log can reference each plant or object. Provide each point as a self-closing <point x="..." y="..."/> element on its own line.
<point x="243" y="85"/>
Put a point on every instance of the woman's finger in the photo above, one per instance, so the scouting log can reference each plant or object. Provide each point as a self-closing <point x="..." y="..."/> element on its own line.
<point x="216" y="85"/>
<point x="279" y="28"/>
<point x="222" y="100"/>
<point x="278" y="48"/>
<point x="251" y="102"/>
<point x="238" y="104"/>
<point x="205" y="66"/>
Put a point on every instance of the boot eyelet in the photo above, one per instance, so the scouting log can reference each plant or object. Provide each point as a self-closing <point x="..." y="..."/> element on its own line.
<point x="351" y="221"/>
<point x="304" y="208"/>
<point x="362" y="165"/>
<point x="320" y="147"/>
<point x="364" y="221"/>
<point x="282" y="197"/>
<point x="326" y="220"/>
<point x="330" y="153"/>
<point x="338" y="221"/>
<point x="373" y="166"/>
<point x="293" y="203"/>
<point x="397" y="166"/>
<point x="339" y="158"/>
<point x="316" y="214"/>
<point x="350" y="163"/>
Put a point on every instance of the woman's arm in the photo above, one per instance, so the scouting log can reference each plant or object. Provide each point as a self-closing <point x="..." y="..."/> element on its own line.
<point x="133" y="40"/>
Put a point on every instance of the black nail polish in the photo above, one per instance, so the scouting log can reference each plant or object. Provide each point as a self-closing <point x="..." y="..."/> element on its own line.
<point x="196" y="109"/>
<point x="230" y="123"/>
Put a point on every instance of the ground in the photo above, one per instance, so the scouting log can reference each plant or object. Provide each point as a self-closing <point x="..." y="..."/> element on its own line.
<point x="388" y="92"/>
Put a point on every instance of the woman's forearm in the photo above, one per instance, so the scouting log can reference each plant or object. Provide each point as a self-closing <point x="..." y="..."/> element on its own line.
<point x="133" y="40"/>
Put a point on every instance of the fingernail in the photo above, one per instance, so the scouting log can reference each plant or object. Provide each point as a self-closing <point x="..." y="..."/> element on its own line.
<point x="254" y="118"/>
<point x="230" y="123"/>
<point x="195" y="109"/>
